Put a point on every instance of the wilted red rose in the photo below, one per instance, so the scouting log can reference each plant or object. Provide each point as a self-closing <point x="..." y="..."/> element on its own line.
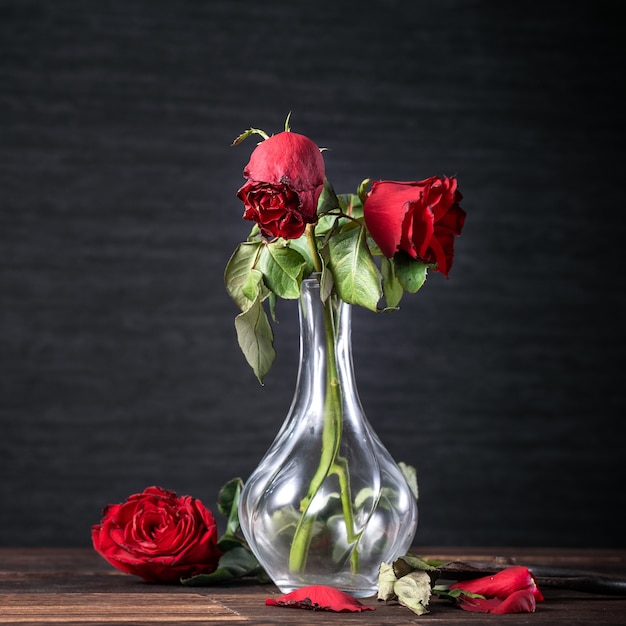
<point x="285" y="177"/>
<point x="158" y="536"/>
<point x="419" y="218"/>
<point x="512" y="590"/>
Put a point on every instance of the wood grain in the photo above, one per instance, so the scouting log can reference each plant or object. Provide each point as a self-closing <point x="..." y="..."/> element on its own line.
<point x="102" y="608"/>
<point x="76" y="586"/>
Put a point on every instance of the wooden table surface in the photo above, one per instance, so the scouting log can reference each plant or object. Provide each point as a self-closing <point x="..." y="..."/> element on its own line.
<point x="76" y="586"/>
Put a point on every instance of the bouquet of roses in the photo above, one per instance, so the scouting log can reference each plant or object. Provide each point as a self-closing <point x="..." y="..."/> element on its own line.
<point x="368" y="247"/>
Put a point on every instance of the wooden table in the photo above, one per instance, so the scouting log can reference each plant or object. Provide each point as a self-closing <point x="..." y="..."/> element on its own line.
<point x="76" y="586"/>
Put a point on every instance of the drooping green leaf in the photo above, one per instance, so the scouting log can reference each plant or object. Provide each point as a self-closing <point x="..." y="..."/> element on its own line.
<point x="326" y="279"/>
<point x="256" y="339"/>
<point x="410" y="474"/>
<point x="236" y="563"/>
<point x="392" y="289"/>
<point x="228" y="504"/>
<point x="237" y="272"/>
<point x="328" y="199"/>
<point x="326" y="225"/>
<point x="228" y="542"/>
<point x="410" y="272"/>
<point x="414" y="591"/>
<point x="356" y="277"/>
<point x="253" y="286"/>
<point x="283" y="268"/>
<point x="301" y="246"/>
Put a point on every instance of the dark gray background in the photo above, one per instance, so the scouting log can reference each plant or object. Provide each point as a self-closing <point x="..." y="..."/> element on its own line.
<point x="119" y="366"/>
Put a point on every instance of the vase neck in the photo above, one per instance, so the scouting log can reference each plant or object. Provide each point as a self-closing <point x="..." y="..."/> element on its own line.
<point x="325" y="343"/>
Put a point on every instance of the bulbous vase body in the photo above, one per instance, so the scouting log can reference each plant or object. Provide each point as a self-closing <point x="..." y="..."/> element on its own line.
<point x="327" y="503"/>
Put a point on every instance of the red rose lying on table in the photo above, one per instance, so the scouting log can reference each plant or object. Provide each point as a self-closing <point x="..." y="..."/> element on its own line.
<point x="158" y="536"/>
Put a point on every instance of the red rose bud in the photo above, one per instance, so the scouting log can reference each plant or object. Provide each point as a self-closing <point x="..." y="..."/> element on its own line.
<point x="320" y="598"/>
<point x="419" y="218"/>
<point x="285" y="177"/>
<point x="512" y="590"/>
<point x="158" y="536"/>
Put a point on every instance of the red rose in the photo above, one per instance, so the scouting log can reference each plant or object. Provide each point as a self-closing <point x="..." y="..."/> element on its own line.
<point x="512" y="590"/>
<point x="285" y="179"/>
<point x="420" y="218"/>
<point x="158" y="536"/>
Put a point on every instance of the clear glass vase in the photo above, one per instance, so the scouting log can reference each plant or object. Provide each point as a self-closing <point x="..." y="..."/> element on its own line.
<point x="327" y="503"/>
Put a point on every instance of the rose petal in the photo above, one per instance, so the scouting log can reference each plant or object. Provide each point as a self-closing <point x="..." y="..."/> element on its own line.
<point x="320" y="598"/>
<point x="287" y="158"/>
<point x="522" y="601"/>
<point x="502" y="584"/>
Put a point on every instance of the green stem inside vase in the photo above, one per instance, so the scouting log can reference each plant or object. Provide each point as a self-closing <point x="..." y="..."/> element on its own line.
<point x="330" y="461"/>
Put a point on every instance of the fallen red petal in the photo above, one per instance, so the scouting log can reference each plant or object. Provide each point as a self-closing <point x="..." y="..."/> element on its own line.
<point x="319" y="598"/>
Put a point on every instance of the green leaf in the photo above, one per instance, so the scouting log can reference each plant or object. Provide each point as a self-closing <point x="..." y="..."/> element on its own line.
<point x="301" y="246"/>
<point x="328" y="200"/>
<point x="272" y="305"/>
<point x="228" y="542"/>
<point x="326" y="279"/>
<point x="236" y="563"/>
<point x="228" y="504"/>
<point x="413" y="591"/>
<point x="410" y="474"/>
<point x="253" y="286"/>
<point x="326" y="224"/>
<point x="282" y="268"/>
<point x="410" y="272"/>
<point x="237" y="272"/>
<point x="256" y="339"/>
<point x="356" y="277"/>
<point x="392" y="289"/>
<point x="351" y="205"/>
<point x="445" y="593"/>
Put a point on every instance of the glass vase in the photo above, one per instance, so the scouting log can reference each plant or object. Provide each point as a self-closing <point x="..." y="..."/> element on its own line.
<point x="327" y="503"/>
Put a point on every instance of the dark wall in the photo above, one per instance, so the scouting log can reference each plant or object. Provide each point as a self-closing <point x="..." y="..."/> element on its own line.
<point x="119" y="366"/>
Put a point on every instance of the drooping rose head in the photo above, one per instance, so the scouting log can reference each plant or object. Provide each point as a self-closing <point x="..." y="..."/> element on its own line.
<point x="158" y="536"/>
<point x="420" y="218"/>
<point x="285" y="177"/>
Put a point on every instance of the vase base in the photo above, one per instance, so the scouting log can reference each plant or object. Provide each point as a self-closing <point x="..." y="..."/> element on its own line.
<point x="356" y="586"/>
